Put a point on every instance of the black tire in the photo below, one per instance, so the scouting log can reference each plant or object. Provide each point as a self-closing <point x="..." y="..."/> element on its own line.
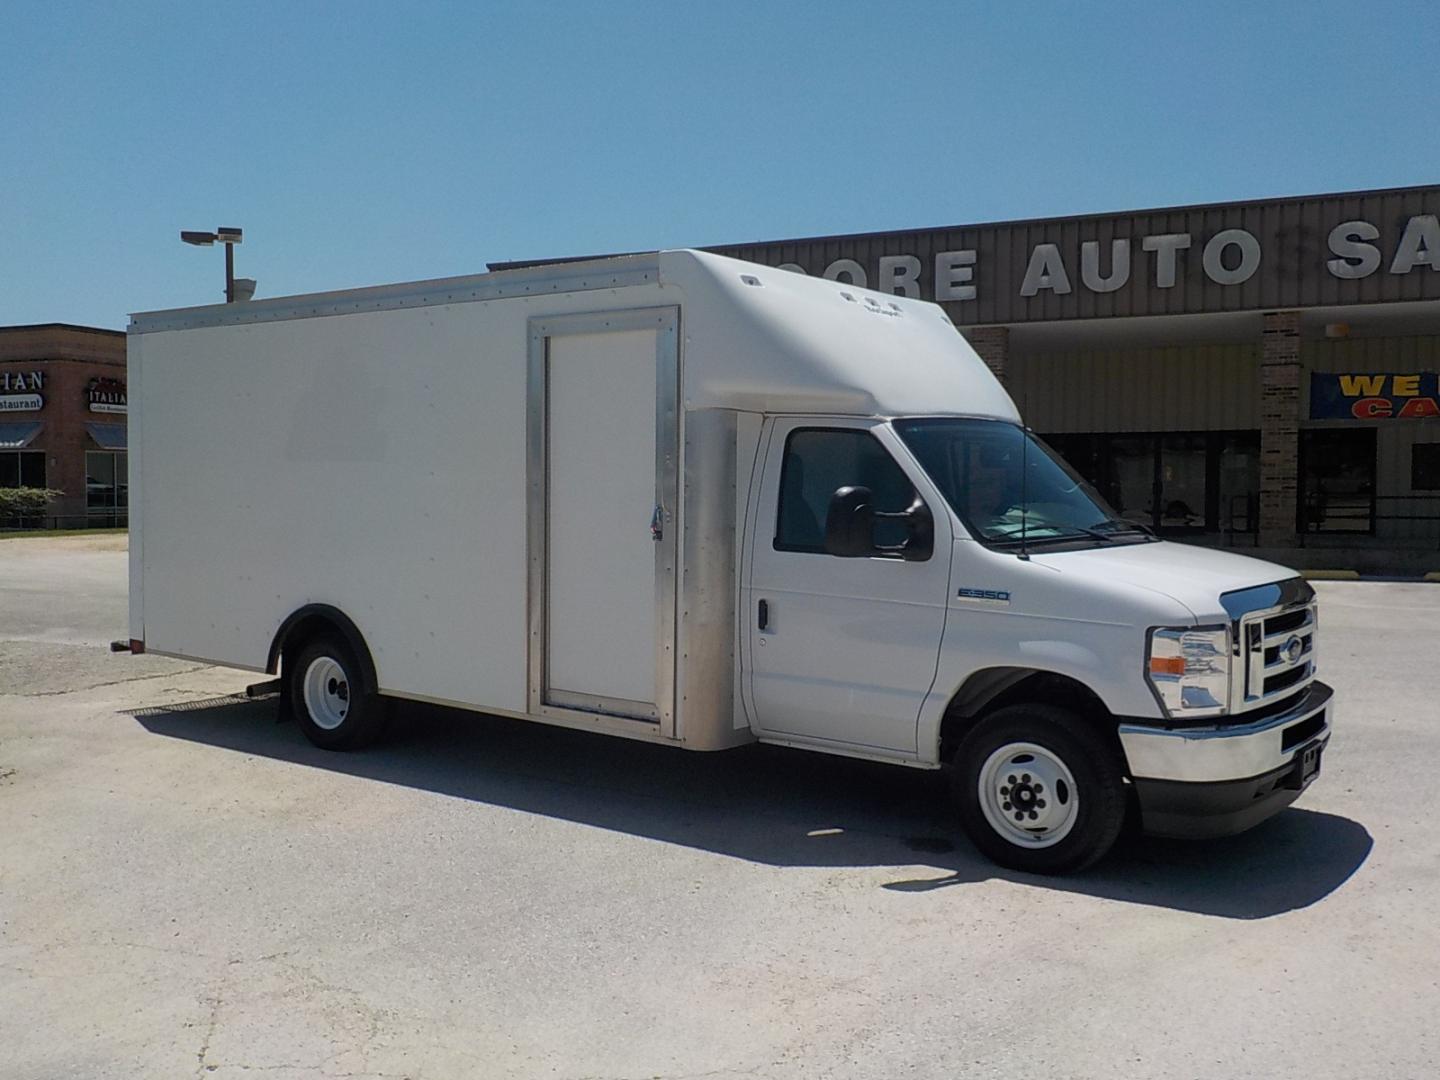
<point x="1093" y="762"/>
<point x="355" y="717"/>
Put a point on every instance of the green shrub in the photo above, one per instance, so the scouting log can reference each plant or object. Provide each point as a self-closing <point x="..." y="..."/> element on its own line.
<point x="25" y="504"/>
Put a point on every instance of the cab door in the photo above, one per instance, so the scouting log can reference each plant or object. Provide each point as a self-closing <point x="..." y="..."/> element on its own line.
<point x="841" y="650"/>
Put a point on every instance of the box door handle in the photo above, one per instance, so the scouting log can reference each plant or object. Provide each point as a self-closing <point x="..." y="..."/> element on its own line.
<point x="763" y="616"/>
<point x="657" y="524"/>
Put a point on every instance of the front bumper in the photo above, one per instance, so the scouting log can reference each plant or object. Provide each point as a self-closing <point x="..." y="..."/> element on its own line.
<point x="1214" y="781"/>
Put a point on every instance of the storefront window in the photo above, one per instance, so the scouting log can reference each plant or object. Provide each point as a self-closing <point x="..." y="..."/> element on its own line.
<point x="22" y="468"/>
<point x="107" y="490"/>
<point x="1425" y="467"/>
<point x="1185" y="482"/>
<point x="1337" y="480"/>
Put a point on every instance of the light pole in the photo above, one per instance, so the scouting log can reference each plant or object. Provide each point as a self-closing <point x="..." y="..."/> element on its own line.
<point x="224" y="235"/>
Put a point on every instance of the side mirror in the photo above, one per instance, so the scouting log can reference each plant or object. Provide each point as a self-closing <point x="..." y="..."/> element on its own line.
<point x="850" y="524"/>
<point x="921" y="544"/>
<point x="850" y="527"/>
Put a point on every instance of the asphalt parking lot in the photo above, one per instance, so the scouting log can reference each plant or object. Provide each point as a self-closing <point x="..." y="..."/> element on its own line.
<point x="187" y="888"/>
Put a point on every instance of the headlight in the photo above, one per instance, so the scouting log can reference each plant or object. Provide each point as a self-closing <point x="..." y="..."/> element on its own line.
<point x="1190" y="670"/>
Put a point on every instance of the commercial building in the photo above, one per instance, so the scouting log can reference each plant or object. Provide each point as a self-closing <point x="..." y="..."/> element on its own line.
<point x="1252" y="373"/>
<point x="1259" y="374"/>
<point x="62" y="420"/>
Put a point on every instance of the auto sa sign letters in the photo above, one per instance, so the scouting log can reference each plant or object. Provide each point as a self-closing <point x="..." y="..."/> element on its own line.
<point x="1374" y="397"/>
<point x="1229" y="256"/>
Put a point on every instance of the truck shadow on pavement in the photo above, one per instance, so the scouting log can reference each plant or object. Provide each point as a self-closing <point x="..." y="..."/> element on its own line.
<point x="781" y="807"/>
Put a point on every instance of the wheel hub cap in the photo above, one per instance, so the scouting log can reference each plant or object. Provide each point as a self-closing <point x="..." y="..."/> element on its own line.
<point x="1028" y="795"/>
<point x="327" y="692"/>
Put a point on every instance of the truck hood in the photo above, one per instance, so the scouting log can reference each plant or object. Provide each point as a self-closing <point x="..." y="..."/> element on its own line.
<point x="1192" y="576"/>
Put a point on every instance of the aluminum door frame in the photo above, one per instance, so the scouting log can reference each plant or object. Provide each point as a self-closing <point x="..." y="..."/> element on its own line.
<point x="665" y="321"/>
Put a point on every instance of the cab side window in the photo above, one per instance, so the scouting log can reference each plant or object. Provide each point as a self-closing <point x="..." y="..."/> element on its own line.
<point x="820" y="460"/>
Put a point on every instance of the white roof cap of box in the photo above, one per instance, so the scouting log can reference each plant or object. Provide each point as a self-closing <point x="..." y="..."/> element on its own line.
<point x="774" y="340"/>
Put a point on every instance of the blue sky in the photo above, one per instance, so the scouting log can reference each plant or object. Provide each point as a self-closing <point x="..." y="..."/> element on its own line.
<point x="363" y="143"/>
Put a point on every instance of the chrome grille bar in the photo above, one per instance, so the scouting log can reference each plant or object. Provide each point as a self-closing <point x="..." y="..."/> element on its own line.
<point x="1270" y="644"/>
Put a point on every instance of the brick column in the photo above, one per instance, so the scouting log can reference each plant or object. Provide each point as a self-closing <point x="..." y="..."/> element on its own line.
<point x="992" y="343"/>
<point x="1279" y="427"/>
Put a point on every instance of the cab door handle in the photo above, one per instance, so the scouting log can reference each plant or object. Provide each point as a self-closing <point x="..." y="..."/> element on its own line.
<point x="763" y="614"/>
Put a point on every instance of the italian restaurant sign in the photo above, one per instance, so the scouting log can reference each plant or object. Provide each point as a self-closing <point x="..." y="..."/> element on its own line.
<point x="106" y="396"/>
<point x="20" y="391"/>
<point x="1413" y="396"/>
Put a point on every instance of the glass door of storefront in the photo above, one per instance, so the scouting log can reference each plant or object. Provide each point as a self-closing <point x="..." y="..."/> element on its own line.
<point x="1131" y="483"/>
<point x="1237" y="495"/>
<point x="1337" y="481"/>
<point x="107" y="488"/>
<point x="1182" y="496"/>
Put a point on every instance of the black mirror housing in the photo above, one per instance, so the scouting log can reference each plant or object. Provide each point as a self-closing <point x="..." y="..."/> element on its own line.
<point x="921" y="544"/>
<point x="850" y="527"/>
<point x="850" y="523"/>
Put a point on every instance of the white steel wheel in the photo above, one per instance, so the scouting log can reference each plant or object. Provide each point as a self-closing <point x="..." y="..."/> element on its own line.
<point x="326" y="690"/>
<point x="1028" y="795"/>
<point x="329" y="697"/>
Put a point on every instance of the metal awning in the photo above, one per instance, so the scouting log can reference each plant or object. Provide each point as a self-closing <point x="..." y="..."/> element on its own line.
<point x="19" y="436"/>
<point x="108" y="436"/>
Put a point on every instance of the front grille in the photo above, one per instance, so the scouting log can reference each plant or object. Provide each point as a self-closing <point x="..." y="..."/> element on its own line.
<point x="1289" y="620"/>
<point x="1285" y="680"/>
<point x="1275" y="651"/>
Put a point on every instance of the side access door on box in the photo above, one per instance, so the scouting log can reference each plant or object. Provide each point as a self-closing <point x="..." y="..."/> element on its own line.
<point x="841" y="651"/>
<point x="602" y="474"/>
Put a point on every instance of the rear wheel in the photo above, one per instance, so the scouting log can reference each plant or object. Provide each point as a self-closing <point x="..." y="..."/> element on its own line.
<point x="328" y="699"/>
<point x="1039" y="789"/>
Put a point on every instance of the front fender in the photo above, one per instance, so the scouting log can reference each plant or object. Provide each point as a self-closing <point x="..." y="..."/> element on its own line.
<point x="1105" y="658"/>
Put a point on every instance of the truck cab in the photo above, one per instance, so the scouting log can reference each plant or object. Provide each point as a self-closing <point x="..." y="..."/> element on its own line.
<point x="946" y="588"/>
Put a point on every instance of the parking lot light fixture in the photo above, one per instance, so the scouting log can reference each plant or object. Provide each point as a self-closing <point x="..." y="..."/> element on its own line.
<point x="227" y="235"/>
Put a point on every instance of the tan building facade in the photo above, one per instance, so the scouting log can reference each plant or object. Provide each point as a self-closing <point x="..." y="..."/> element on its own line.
<point x="63" y="420"/>
<point x="1260" y="374"/>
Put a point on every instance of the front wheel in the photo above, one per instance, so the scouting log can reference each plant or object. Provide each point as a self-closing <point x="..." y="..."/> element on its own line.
<point x="1039" y="789"/>
<point x="327" y="698"/>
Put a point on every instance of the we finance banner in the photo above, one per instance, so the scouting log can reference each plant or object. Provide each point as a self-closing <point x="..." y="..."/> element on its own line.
<point x="1413" y="396"/>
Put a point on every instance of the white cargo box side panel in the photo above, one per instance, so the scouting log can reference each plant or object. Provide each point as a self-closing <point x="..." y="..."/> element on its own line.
<point x="373" y="461"/>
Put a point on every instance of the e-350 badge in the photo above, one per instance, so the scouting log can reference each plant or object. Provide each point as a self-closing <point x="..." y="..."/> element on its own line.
<point x="983" y="596"/>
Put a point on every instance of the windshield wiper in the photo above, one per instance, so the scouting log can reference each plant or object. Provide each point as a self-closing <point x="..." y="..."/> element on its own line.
<point x="1070" y="532"/>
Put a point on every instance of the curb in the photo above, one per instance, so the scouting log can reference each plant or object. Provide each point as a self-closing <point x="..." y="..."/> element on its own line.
<point x="1330" y="575"/>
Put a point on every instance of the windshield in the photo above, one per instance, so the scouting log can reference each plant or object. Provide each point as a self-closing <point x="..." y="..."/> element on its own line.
<point x="1003" y="481"/>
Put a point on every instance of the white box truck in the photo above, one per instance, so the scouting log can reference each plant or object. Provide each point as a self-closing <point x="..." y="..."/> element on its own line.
<point x="694" y="501"/>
